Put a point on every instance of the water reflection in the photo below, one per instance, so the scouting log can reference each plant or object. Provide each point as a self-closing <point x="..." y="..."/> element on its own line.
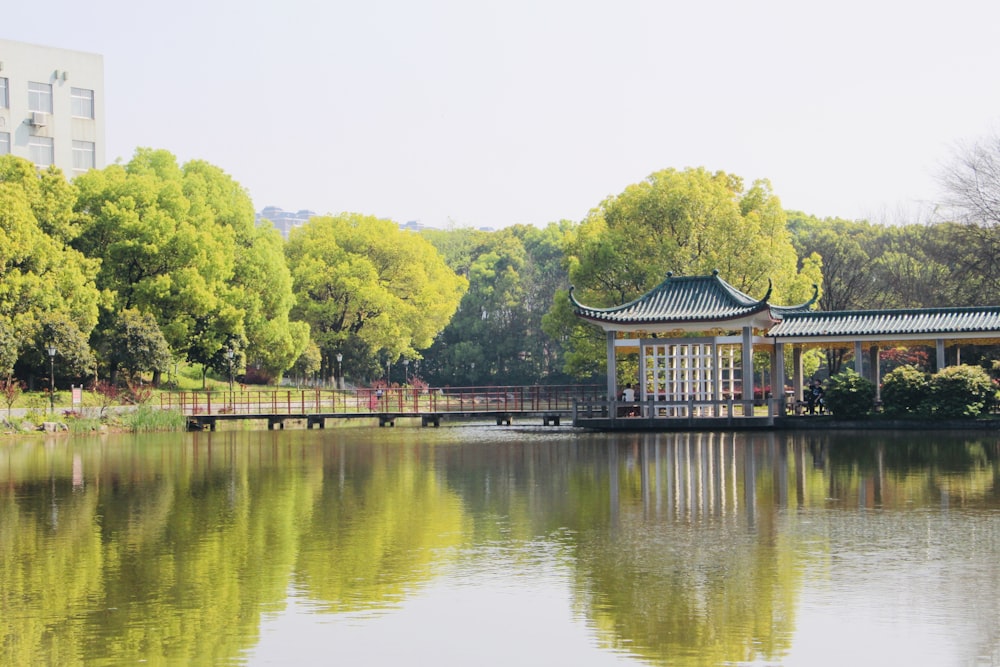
<point x="700" y="549"/>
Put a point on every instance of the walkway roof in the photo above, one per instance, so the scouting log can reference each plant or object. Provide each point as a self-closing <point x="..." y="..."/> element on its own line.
<point x="912" y="324"/>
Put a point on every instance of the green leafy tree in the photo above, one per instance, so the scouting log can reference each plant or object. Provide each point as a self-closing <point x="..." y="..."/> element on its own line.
<point x="137" y="345"/>
<point x="264" y="292"/>
<point x="547" y="276"/>
<point x="160" y="253"/>
<point x="513" y="276"/>
<point x="369" y="290"/>
<point x="8" y="348"/>
<point x="40" y="276"/>
<point x="308" y="363"/>
<point x="74" y="357"/>
<point x="843" y="247"/>
<point x="180" y="243"/>
<point x="689" y="222"/>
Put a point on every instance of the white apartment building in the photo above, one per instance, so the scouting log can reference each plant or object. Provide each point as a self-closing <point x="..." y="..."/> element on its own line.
<point x="52" y="106"/>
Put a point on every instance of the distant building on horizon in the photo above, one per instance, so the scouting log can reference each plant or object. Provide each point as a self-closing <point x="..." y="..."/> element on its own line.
<point x="284" y="221"/>
<point x="412" y="226"/>
<point x="52" y="106"/>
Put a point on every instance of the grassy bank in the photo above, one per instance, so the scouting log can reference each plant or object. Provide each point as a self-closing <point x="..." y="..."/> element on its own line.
<point x="143" y="419"/>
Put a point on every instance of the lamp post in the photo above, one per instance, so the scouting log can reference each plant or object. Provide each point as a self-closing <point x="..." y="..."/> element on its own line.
<point x="406" y="371"/>
<point x="229" y="355"/>
<point x="338" y="380"/>
<point x="52" y="377"/>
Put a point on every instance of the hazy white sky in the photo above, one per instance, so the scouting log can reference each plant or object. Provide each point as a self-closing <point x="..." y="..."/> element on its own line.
<point x="488" y="113"/>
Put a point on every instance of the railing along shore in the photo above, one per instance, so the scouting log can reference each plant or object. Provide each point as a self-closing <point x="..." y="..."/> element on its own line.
<point x="398" y="400"/>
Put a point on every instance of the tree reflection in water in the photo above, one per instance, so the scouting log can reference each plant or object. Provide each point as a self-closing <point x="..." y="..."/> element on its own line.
<point x="698" y="548"/>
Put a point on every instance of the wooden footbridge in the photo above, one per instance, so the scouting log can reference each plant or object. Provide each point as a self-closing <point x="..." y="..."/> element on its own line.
<point x="551" y="404"/>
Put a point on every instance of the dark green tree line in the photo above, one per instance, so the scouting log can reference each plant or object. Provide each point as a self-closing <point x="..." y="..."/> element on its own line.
<point x="496" y="335"/>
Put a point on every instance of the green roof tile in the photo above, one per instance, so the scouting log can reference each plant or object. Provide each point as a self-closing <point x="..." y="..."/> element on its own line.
<point x="685" y="299"/>
<point x="888" y="322"/>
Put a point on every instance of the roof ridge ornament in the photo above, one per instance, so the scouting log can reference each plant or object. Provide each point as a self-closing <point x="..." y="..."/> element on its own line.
<point x="770" y="288"/>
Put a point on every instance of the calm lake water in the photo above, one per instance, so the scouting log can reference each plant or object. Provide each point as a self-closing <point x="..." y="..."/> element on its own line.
<point x="485" y="545"/>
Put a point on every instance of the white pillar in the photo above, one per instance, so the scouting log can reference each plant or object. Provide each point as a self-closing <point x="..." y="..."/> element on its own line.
<point x="876" y="371"/>
<point x="640" y="385"/>
<point x="612" y="369"/>
<point x="798" y="372"/>
<point x="747" y="382"/>
<point x="778" y="378"/>
<point x="939" y="345"/>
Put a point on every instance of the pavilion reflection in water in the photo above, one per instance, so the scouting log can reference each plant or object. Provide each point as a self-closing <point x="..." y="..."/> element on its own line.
<point x="700" y="477"/>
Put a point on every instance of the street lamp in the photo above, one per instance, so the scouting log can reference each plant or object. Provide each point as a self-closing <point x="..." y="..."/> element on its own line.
<point x="229" y="356"/>
<point x="52" y="377"/>
<point x="406" y="371"/>
<point x="339" y="379"/>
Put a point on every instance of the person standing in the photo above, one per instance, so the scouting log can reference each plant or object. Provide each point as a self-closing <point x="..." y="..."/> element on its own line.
<point x="815" y="397"/>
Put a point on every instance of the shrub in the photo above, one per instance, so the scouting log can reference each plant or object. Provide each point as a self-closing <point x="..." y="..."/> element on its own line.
<point x="139" y="393"/>
<point x="256" y="376"/>
<point x="849" y="395"/>
<point x="11" y="390"/>
<point x="960" y="391"/>
<point x="107" y="394"/>
<point x="905" y="391"/>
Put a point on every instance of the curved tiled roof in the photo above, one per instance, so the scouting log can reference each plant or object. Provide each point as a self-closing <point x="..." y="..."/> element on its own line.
<point x="889" y="322"/>
<point x="687" y="299"/>
<point x="684" y="302"/>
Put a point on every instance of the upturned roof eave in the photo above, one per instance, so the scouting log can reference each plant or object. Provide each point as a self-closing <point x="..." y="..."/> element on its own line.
<point x="738" y="304"/>
<point x="752" y="318"/>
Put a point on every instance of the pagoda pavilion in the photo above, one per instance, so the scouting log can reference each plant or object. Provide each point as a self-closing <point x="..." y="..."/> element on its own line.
<point x="695" y="337"/>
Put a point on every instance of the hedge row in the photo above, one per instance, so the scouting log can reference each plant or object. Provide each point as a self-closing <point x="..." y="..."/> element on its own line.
<point x="955" y="391"/>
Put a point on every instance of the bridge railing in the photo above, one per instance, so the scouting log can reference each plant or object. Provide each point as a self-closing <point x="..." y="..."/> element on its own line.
<point x="394" y="400"/>
<point x="657" y="409"/>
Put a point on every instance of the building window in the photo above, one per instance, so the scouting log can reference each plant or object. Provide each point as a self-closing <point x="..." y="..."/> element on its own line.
<point x="40" y="97"/>
<point x="83" y="155"/>
<point x="4" y="143"/>
<point x="4" y="96"/>
<point x="41" y="151"/>
<point x="82" y="101"/>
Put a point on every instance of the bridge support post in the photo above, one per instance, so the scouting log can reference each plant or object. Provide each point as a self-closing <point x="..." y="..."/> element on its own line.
<point x="316" y="421"/>
<point x="386" y="419"/>
<point x="199" y="423"/>
<point x="274" y="424"/>
<point x="433" y="420"/>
